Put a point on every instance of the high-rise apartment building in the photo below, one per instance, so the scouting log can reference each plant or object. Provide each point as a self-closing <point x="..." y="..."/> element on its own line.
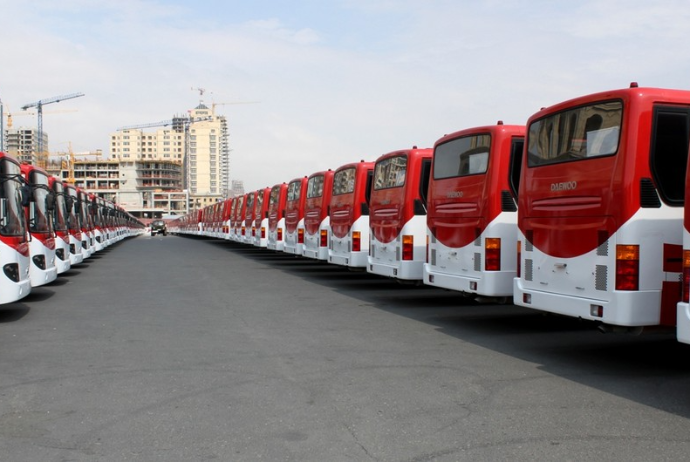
<point x="22" y="143"/>
<point x="199" y="141"/>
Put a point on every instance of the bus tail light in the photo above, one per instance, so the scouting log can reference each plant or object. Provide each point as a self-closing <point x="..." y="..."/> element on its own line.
<point x="280" y="234"/>
<point x="263" y="232"/>
<point x="519" y="258"/>
<point x="300" y="236"/>
<point x="492" y="254"/>
<point x="324" y="238"/>
<point x="356" y="241"/>
<point x="686" y="276"/>
<point x="407" y="247"/>
<point x="627" y="267"/>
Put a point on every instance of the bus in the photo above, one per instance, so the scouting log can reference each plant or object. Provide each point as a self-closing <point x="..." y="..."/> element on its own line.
<point x="260" y="226"/>
<point x="600" y="208"/>
<point x="472" y="213"/>
<point x="316" y="220"/>
<point x="276" y="217"/>
<point x="294" y="216"/>
<point x="76" y="254"/>
<point x="683" y="307"/>
<point x="86" y="224"/>
<point x="349" y="215"/>
<point x="14" y="248"/>
<point x="38" y="207"/>
<point x="238" y="216"/>
<point x="248" y="218"/>
<point x="397" y="215"/>
<point x="59" y="217"/>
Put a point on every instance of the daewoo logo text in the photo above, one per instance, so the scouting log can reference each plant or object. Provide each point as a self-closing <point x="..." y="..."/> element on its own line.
<point x="453" y="194"/>
<point x="565" y="186"/>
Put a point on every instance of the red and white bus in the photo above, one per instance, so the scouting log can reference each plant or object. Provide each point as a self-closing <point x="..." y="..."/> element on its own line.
<point x="86" y="224"/>
<point x="76" y="254"/>
<point x="260" y="226"/>
<point x="316" y="219"/>
<point x="59" y="217"/>
<point x="39" y="205"/>
<point x="397" y="216"/>
<point x="14" y="248"/>
<point x="600" y="208"/>
<point x="294" y="216"/>
<point x="683" y="307"/>
<point x="349" y="215"/>
<point x="238" y="217"/>
<point x="276" y="217"/>
<point x="471" y="211"/>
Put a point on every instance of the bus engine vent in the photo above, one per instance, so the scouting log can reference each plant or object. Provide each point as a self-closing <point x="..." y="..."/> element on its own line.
<point x="648" y="195"/>
<point x="600" y="277"/>
<point x="507" y="202"/>
<point x="433" y="257"/>
<point x="528" y="269"/>
<point x="477" y="262"/>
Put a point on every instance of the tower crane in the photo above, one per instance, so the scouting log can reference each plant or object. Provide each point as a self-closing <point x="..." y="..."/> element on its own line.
<point x="39" y="107"/>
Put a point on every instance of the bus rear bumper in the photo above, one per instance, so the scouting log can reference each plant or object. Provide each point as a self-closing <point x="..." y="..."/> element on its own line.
<point x="634" y="308"/>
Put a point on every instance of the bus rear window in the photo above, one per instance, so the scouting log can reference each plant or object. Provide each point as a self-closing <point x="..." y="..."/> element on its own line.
<point x="462" y="156"/>
<point x="344" y="181"/>
<point x="390" y="173"/>
<point x="293" y="191"/>
<point x="275" y="195"/>
<point x="315" y="186"/>
<point x="581" y="133"/>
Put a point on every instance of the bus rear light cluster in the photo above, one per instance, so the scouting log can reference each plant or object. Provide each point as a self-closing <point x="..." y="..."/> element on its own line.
<point x="492" y="254"/>
<point x="519" y="258"/>
<point x="627" y="267"/>
<point x="324" y="238"/>
<point x="280" y="234"/>
<point x="356" y="241"/>
<point x="11" y="270"/>
<point x="263" y="232"/>
<point x="300" y="236"/>
<point x="686" y="276"/>
<point x="407" y="247"/>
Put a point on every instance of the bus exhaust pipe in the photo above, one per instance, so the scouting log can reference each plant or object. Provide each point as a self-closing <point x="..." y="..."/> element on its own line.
<point x="610" y="329"/>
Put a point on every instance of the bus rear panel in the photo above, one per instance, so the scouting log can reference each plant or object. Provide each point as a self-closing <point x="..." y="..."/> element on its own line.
<point x="600" y="208"/>
<point x="349" y="215"/>
<point x="471" y="216"/>
<point x="317" y="226"/>
<point x="294" y="216"/>
<point x="397" y="216"/>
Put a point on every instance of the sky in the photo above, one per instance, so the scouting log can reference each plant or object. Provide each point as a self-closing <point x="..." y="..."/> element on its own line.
<point x="308" y="85"/>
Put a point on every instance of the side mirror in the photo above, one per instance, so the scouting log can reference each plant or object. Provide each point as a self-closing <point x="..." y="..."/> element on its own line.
<point x="50" y="201"/>
<point x="3" y="212"/>
<point x="25" y="194"/>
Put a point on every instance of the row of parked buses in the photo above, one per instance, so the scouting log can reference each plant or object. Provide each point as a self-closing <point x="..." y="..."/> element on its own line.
<point x="47" y="226"/>
<point x="583" y="212"/>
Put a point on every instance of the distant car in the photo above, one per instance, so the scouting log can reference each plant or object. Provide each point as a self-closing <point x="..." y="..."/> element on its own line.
<point x="158" y="227"/>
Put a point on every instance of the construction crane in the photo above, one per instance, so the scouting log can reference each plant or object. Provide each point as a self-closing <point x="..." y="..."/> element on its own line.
<point x="178" y="123"/>
<point x="41" y="156"/>
<point x="10" y="116"/>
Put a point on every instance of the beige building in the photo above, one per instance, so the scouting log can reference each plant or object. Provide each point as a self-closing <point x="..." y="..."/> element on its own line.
<point x="203" y="152"/>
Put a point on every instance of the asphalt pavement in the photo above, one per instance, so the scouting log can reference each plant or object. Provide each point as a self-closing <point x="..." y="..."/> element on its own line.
<point x="169" y="348"/>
